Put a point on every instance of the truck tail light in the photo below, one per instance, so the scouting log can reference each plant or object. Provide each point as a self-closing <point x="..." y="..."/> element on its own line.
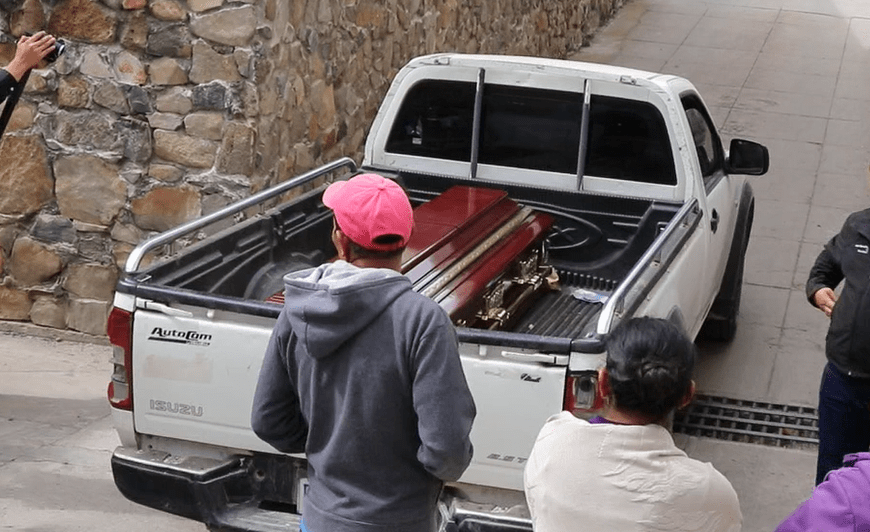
<point x="120" y="331"/>
<point x="581" y="392"/>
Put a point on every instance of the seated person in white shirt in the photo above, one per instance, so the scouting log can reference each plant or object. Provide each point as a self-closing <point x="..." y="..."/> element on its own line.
<point x="621" y="471"/>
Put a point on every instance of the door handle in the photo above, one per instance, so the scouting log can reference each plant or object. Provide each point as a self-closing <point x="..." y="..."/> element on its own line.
<point x="714" y="220"/>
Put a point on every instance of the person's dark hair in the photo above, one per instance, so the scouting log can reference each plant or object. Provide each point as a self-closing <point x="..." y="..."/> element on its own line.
<point x="361" y="252"/>
<point x="650" y="363"/>
<point x="365" y="253"/>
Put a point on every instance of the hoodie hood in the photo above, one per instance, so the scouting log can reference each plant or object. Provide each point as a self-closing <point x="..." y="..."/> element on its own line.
<point x="328" y="305"/>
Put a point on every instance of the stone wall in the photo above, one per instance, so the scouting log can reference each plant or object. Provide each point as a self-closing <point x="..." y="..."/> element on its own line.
<point x="162" y="110"/>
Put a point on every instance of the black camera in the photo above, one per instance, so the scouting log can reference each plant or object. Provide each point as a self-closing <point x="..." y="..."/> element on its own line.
<point x="59" y="47"/>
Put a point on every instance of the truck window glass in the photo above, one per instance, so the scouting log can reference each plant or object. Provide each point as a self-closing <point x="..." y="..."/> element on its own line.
<point x="531" y="128"/>
<point x="535" y="129"/>
<point x="706" y="140"/>
<point x="435" y="120"/>
<point x="628" y="140"/>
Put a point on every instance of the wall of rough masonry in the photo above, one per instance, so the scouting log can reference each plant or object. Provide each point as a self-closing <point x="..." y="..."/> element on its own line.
<point x="162" y="110"/>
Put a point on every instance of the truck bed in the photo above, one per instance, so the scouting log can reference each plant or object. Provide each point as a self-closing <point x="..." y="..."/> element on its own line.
<point x="590" y="247"/>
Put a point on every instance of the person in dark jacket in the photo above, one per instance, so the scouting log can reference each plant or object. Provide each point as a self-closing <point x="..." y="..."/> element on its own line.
<point x="844" y="394"/>
<point x="30" y="51"/>
<point x="839" y="504"/>
<point x="363" y="374"/>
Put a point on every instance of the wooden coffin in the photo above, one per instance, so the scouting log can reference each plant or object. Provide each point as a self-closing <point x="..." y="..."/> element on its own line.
<point x="478" y="254"/>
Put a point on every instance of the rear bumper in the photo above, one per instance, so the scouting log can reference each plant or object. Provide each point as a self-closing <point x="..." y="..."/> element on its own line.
<point x="255" y="494"/>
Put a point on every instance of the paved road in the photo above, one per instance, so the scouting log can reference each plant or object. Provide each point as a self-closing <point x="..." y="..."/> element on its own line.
<point x="56" y="440"/>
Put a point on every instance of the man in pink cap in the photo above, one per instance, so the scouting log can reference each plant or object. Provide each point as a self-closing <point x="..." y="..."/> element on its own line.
<point x="363" y="374"/>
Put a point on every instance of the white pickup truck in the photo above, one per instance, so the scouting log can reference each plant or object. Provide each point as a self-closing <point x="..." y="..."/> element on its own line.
<point x="640" y="211"/>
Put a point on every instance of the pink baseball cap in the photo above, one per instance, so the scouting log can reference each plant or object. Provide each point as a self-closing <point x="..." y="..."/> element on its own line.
<point x="369" y="208"/>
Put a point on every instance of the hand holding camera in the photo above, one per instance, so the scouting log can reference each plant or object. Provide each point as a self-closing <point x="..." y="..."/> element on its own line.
<point x="31" y="50"/>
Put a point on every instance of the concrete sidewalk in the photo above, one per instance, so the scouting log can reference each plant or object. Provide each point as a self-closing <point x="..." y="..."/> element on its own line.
<point x="57" y="438"/>
<point x="792" y="74"/>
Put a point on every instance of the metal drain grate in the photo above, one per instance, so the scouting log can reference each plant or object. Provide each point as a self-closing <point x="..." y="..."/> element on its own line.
<point x="749" y="422"/>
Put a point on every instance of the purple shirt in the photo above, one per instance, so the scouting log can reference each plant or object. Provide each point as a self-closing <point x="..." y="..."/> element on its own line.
<point x="839" y="504"/>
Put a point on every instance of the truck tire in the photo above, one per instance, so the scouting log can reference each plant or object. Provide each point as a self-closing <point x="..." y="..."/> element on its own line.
<point x="721" y="322"/>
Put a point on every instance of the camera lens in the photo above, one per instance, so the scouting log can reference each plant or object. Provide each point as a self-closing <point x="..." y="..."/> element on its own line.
<point x="59" y="47"/>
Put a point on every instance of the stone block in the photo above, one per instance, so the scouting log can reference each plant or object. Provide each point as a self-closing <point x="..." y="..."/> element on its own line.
<point x="127" y="233"/>
<point x="54" y="229"/>
<point x="89" y="189"/>
<point x="233" y="26"/>
<point x="169" y="10"/>
<point x="244" y="62"/>
<point x="211" y="96"/>
<point x="84" y="130"/>
<point x="131" y="174"/>
<point x="91" y="281"/>
<point x="199" y="6"/>
<point x="25" y="183"/>
<point x="128" y="69"/>
<point x="73" y="92"/>
<point x="85" y="227"/>
<point x="171" y="41"/>
<point x="7" y="49"/>
<point x="88" y="316"/>
<point x="134" y="34"/>
<point x="40" y="82"/>
<point x="175" y="100"/>
<point x="8" y="234"/>
<point x="94" y="247"/>
<point x="49" y="312"/>
<point x="163" y="208"/>
<point x="22" y="116"/>
<point x="32" y="262"/>
<point x="168" y="121"/>
<point x="120" y="253"/>
<point x="136" y="138"/>
<point x="133" y="5"/>
<point x="95" y="65"/>
<point x="83" y="20"/>
<point x="165" y="173"/>
<point x="250" y="100"/>
<point x="30" y="18"/>
<point x="206" y="125"/>
<point x="370" y="14"/>
<point x="183" y="149"/>
<point x="138" y="99"/>
<point x="14" y="304"/>
<point x="167" y="71"/>
<point x="236" y="155"/>
<point x="208" y="65"/>
<point x="110" y="96"/>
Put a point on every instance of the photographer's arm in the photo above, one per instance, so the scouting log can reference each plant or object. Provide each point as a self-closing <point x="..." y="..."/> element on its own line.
<point x="30" y="51"/>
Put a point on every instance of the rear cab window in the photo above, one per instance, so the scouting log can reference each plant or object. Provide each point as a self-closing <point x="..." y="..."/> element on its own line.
<point x="535" y="129"/>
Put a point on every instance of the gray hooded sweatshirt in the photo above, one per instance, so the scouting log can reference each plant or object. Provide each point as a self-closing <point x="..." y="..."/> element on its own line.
<point x="363" y="374"/>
